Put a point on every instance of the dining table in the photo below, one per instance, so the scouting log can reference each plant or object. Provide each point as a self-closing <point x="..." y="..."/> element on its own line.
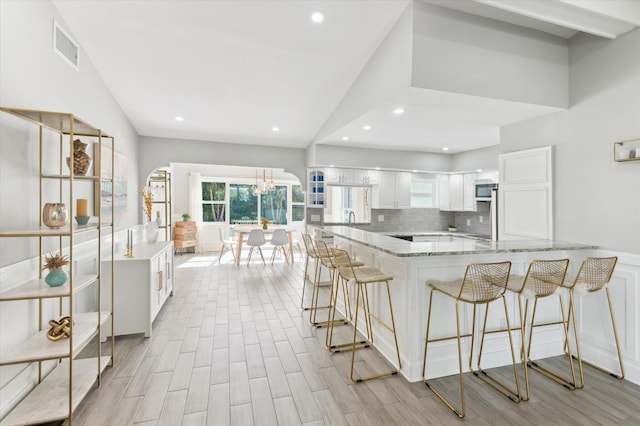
<point x="242" y="233"/>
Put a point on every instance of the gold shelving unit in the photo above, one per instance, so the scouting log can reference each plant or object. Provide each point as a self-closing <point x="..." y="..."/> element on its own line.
<point x="160" y="185"/>
<point x="628" y="150"/>
<point x="45" y="402"/>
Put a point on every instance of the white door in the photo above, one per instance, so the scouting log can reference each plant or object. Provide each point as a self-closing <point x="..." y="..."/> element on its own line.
<point x="456" y="192"/>
<point x="525" y="202"/>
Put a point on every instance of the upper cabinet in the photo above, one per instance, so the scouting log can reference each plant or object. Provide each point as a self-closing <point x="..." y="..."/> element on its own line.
<point x="393" y="190"/>
<point x="355" y="177"/>
<point x="315" y="188"/>
<point x="456" y="192"/>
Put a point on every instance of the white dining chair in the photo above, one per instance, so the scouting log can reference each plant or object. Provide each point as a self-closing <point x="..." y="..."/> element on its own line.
<point x="296" y="243"/>
<point x="227" y="243"/>
<point x="256" y="240"/>
<point x="280" y="241"/>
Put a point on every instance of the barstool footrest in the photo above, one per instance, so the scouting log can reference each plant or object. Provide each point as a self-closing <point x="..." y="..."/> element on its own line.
<point x="443" y="399"/>
<point x="497" y="385"/>
<point x="375" y="376"/>
<point x="345" y="347"/>
<point x="553" y="376"/>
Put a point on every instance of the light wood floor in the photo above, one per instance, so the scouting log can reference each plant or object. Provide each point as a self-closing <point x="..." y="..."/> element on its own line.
<point x="232" y="347"/>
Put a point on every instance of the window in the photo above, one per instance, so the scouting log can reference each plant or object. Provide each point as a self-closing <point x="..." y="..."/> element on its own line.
<point x="243" y="205"/>
<point x="213" y="201"/>
<point x="297" y="203"/>
<point x="273" y="205"/>
<point x="423" y="193"/>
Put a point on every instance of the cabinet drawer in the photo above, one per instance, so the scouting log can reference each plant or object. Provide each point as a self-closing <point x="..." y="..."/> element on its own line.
<point x="185" y="237"/>
<point x="185" y="230"/>
<point x="184" y="243"/>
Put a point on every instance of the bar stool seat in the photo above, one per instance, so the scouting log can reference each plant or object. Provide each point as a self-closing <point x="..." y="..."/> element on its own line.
<point x="361" y="277"/>
<point x="543" y="279"/>
<point x="332" y="259"/>
<point x="594" y="275"/>
<point x="481" y="284"/>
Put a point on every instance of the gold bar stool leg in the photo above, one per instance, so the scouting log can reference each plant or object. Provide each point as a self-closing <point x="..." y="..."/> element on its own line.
<point x="461" y="412"/>
<point x="365" y="305"/>
<point x="482" y="284"/>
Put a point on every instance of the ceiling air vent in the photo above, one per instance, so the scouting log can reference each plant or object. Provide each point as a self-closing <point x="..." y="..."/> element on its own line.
<point x="65" y="46"/>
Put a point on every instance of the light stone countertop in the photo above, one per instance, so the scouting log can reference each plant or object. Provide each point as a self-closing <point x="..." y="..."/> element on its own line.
<point x="460" y="244"/>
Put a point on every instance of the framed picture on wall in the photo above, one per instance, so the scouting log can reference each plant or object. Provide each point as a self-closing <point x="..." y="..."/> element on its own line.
<point x="118" y="186"/>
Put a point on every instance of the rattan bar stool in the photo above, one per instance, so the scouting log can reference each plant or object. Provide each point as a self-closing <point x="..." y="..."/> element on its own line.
<point x="594" y="275"/>
<point x="361" y="277"/>
<point x="543" y="279"/>
<point x="482" y="284"/>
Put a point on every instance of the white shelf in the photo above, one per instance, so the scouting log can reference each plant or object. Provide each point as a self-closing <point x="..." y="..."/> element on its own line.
<point x="49" y="401"/>
<point x="39" y="348"/>
<point x="44" y="231"/>
<point x="39" y="289"/>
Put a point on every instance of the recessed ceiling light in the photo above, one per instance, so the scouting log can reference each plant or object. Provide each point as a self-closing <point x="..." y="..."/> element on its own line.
<point x="275" y="129"/>
<point x="366" y="127"/>
<point x="345" y="138"/>
<point x="178" y="118"/>
<point x="445" y="149"/>
<point x="317" y="17"/>
<point x="331" y="165"/>
<point x="478" y="170"/>
<point x="415" y="171"/>
<point x="398" y="111"/>
<point x="377" y="168"/>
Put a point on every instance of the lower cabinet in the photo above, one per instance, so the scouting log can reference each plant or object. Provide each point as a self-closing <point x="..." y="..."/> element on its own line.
<point x="142" y="284"/>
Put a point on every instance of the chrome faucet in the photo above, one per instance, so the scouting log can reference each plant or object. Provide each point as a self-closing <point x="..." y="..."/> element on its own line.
<point x="352" y="213"/>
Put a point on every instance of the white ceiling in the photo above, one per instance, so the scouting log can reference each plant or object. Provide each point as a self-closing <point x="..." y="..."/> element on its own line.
<point x="235" y="69"/>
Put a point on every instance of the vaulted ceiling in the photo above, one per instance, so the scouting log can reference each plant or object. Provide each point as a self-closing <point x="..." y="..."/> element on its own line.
<point x="263" y="72"/>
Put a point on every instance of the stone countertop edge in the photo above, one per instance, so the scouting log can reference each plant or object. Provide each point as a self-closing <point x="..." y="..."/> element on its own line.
<point x="401" y="248"/>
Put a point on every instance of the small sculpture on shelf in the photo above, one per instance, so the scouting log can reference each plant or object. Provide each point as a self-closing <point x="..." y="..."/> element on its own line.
<point x="54" y="263"/>
<point x="60" y="329"/>
<point x="81" y="160"/>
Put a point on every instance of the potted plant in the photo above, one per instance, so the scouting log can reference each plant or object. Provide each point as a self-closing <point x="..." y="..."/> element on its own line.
<point x="54" y="263"/>
<point x="453" y="228"/>
<point x="265" y="222"/>
<point x="186" y="216"/>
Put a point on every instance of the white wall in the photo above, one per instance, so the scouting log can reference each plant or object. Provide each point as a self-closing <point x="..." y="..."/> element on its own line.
<point x="596" y="200"/>
<point x="32" y="76"/>
<point x="461" y="53"/>
<point x="386" y="74"/>
<point x="338" y="156"/>
<point x="483" y="158"/>
<point x="160" y="152"/>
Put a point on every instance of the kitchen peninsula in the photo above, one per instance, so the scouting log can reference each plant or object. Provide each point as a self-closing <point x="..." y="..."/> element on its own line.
<point x="444" y="257"/>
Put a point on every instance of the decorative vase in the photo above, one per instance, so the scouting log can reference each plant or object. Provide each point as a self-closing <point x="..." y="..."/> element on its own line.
<point x="56" y="277"/>
<point x="54" y="215"/>
<point x="264" y="226"/>
<point x="81" y="160"/>
<point x="152" y="231"/>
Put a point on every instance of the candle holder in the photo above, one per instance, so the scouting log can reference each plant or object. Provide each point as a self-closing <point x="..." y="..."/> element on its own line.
<point x="82" y="220"/>
<point x="129" y="253"/>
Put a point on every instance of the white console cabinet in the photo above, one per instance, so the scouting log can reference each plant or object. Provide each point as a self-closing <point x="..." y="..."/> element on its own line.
<point x="142" y="285"/>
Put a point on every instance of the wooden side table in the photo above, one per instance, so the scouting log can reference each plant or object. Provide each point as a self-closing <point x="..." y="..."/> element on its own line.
<point x="185" y="236"/>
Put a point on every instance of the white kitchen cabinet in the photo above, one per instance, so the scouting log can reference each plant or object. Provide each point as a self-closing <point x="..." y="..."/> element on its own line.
<point x="393" y="191"/>
<point x="469" y="192"/>
<point x="142" y="285"/>
<point x="456" y="192"/>
<point x="337" y="176"/>
<point x="316" y="187"/>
